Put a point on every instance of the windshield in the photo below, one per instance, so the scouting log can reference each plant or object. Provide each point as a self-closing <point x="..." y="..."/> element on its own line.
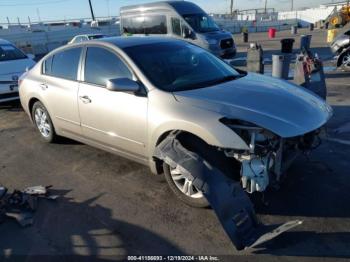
<point x="201" y="23"/>
<point x="9" y="52"/>
<point x="178" y="66"/>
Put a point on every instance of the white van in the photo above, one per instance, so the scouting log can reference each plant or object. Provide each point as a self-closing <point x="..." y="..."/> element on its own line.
<point x="179" y="19"/>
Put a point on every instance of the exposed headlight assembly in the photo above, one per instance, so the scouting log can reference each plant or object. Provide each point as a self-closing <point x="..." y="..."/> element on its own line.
<point x="249" y="132"/>
<point x="256" y="163"/>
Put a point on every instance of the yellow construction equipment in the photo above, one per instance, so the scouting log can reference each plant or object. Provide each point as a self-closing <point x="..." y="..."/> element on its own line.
<point x="340" y="17"/>
<point x="331" y="35"/>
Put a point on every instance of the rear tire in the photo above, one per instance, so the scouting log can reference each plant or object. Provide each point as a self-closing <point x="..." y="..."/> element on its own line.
<point x="43" y="123"/>
<point x="345" y="61"/>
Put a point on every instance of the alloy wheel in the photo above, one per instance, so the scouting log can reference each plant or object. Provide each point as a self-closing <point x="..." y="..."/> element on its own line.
<point x="184" y="184"/>
<point x="346" y="60"/>
<point x="42" y="122"/>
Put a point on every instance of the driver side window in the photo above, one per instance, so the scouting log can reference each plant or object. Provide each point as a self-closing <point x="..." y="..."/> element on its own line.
<point x="102" y="65"/>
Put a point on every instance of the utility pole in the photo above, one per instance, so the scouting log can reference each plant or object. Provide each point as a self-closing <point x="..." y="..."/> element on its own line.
<point x="92" y="11"/>
<point x="265" y="6"/>
<point x="231" y="8"/>
<point x="292" y="7"/>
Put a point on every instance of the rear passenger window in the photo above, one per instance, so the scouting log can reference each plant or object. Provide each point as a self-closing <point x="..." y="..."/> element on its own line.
<point x="63" y="64"/>
<point x="102" y="65"/>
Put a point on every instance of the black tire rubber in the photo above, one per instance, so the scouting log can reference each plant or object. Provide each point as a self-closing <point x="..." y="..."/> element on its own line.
<point x="53" y="136"/>
<point x="193" y="202"/>
<point x="345" y="68"/>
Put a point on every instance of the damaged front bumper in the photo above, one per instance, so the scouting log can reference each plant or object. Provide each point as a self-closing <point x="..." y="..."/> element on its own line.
<point x="226" y="196"/>
<point x="269" y="156"/>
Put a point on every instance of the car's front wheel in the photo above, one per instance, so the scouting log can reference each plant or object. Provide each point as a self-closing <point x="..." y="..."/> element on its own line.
<point x="183" y="188"/>
<point x="43" y="123"/>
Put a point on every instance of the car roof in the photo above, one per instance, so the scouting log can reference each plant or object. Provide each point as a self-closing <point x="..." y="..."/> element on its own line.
<point x="129" y="41"/>
<point x="182" y="7"/>
<point x="3" y="41"/>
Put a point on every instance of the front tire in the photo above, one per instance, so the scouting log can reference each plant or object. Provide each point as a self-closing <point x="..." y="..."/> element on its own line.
<point x="43" y="123"/>
<point x="183" y="188"/>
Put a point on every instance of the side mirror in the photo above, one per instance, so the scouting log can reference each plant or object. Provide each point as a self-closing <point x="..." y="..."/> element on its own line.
<point x="187" y="33"/>
<point x="123" y="85"/>
<point x="31" y="56"/>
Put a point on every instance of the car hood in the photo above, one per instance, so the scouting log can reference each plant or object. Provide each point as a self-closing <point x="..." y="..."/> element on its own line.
<point x="11" y="68"/>
<point x="285" y="109"/>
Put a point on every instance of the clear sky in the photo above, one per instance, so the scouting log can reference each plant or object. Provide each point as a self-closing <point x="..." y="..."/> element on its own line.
<point x="61" y="9"/>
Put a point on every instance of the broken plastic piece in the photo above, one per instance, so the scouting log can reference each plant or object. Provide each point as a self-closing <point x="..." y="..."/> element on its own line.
<point x="226" y="196"/>
<point x="275" y="232"/>
<point x="21" y="205"/>
<point x="35" y="190"/>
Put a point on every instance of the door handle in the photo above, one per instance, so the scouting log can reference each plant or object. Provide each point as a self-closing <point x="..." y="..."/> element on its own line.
<point x="44" y="86"/>
<point x="85" y="99"/>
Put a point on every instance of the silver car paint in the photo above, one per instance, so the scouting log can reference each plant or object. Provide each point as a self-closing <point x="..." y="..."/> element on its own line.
<point x="251" y="98"/>
<point x="281" y="107"/>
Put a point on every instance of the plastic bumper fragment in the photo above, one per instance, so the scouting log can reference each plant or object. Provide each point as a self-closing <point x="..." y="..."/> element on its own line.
<point x="227" y="198"/>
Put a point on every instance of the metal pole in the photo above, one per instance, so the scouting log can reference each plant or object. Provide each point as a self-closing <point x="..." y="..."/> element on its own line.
<point x="38" y="13"/>
<point x="92" y="11"/>
<point x="292" y="5"/>
<point x="265" y="6"/>
<point x="231" y="8"/>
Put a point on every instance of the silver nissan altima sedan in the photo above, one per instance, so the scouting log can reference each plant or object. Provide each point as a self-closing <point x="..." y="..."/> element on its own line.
<point x="126" y="95"/>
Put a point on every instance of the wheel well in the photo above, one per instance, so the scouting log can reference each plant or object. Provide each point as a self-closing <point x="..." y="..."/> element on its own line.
<point x="31" y="104"/>
<point x="208" y="152"/>
<point x="158" y="162"/>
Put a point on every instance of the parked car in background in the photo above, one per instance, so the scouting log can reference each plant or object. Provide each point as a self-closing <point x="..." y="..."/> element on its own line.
<point x="87" y="37"/>
<point x="13" y="63"/>
<point x="180" y="19"/>
<point x="126" y="95"/>
<point x="341" y="48"/>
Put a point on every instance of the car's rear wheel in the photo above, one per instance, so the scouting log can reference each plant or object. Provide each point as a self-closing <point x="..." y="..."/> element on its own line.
<point x="183" y="188"/>
<point x="345" y="61"/>
<point x="43" y="123"/>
